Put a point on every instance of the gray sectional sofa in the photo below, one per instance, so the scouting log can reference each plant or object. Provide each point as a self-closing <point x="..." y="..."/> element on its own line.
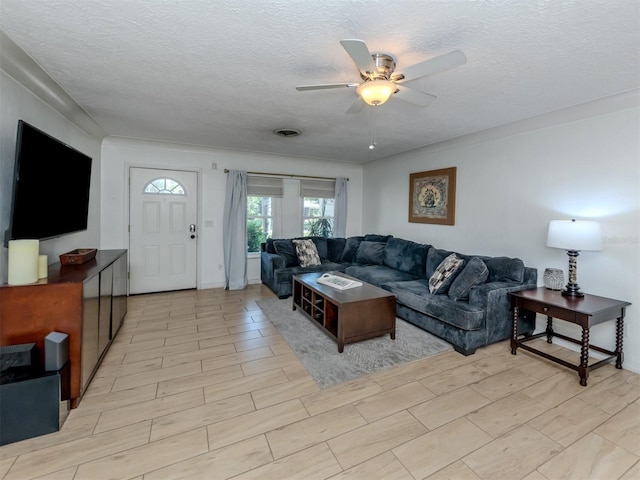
<point x="466" y="304"/>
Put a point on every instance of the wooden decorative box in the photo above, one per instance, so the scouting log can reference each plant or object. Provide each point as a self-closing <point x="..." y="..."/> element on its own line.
<point x="78" y="257"/>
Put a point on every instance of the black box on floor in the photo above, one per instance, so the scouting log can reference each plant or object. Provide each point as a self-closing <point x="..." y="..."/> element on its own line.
<point x="23" y="355"/>
<point x="33" y="406"/>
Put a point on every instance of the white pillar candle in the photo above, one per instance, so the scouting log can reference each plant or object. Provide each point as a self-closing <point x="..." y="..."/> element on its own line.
<point x="23" y="261"/>
<point x="43" y="267"/>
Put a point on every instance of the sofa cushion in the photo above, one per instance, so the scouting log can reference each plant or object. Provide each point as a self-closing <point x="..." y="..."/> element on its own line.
<point x="350" y="249"/>
<point x="335" y="247"/>
<point x="269" y="245"/>
<point x="501" y="269"/>
<point x="406" y="256"/>
<point x="378" y="274"/>
<point x="444" y="274"/>
<point x="307" y="253"/>
<point x="415" y="295"/>
<point x="286" y="249"/>
<point x="504" y="269"/>
<point x="373" y="237"/>
<point x="370" y="253"/>
<point x="474" y="273"/>
<point x="321" y="246"/>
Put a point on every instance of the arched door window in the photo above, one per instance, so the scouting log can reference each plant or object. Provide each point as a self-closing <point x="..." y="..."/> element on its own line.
<point x="164" y="186"/>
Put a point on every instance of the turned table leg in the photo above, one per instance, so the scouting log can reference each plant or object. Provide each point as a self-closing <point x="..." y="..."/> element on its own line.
<point x="549" y="330"/>
<point x="583" y="369"/>
<point x="514" y="334"/>
<point x="619" y="332"/>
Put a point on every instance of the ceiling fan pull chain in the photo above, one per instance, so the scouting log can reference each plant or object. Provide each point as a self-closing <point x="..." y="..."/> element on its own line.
<point x="372" y="145"/>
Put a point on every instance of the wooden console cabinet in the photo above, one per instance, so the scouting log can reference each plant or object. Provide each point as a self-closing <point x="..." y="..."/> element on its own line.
<point x="88" y="302"/>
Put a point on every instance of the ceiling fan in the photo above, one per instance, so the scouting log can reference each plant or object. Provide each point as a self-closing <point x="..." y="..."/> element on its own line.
<point x="380" y="79"/>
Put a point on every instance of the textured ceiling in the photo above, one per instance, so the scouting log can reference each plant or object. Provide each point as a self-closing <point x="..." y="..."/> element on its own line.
<point x="223" y="73"/>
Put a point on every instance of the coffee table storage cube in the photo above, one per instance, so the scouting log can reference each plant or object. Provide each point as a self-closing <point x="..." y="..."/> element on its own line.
<point x="347" y="316"/>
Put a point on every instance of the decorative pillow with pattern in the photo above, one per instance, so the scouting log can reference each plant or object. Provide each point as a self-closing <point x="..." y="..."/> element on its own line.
<point x="307" y="253"/>
<point x="444" y="274"/>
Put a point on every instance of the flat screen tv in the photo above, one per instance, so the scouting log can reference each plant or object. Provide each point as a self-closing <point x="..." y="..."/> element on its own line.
<point x="50" y="188"/>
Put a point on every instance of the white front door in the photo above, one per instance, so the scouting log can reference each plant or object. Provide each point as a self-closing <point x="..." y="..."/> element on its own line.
<point x="162" y="230"/>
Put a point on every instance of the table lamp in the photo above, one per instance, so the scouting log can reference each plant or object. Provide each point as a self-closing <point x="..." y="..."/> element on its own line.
<point x="574" y="236"/>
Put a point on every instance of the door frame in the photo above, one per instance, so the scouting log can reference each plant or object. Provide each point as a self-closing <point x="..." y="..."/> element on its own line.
<point x="127" y="210"/>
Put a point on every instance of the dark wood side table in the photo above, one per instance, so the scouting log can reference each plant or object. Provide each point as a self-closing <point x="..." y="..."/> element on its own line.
<point x="586" y="311"/>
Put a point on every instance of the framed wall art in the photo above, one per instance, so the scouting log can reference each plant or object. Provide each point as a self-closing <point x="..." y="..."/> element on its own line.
<point x="432" y="196"/>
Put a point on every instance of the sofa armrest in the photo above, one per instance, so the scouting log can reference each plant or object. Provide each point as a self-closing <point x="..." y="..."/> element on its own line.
<point x="269" y="262"/>
<point x="494" y="298"/>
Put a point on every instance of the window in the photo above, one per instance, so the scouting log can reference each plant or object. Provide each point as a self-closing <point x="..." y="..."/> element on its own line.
<point x="259" y="221"/>
<point x="262" y="195"/>
<point x="164" y="186"/>
<point x="318" y="199"/>
<point x="318" y="217"/>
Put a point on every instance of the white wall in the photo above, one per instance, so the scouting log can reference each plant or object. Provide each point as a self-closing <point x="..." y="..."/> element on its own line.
<point x="120" y="154"/>
<point x="509" y="188"/>
<point x="19" y="103"/>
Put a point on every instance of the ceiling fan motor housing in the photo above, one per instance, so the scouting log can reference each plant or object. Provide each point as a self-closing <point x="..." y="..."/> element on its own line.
<point x="385" y="64"/>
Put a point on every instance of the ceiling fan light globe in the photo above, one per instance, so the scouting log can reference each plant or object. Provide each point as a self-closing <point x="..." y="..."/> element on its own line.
<point x="376" y="92"/>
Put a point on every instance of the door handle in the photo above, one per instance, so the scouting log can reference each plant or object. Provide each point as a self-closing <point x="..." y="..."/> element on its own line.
<point x="192" y="228"/>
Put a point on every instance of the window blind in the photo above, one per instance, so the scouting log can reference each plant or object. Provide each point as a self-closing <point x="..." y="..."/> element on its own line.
<point x="317" y="188"/>
<point x="264" y="186"/>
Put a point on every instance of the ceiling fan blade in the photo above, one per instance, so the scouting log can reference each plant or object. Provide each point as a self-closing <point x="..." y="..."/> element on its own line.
<point x="410" y="95"/>
<point x="431" y="66"/>
<point x="356" y="106"/>
<point x="325" y="86"/>
<point x="361" y="56"/>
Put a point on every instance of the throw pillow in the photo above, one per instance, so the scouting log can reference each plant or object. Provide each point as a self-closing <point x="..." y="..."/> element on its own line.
<point x="370" y="253"/>
<point x="445" y="274"/>
<point x="270" y="247"/>
<point x="335" y="247"/>
<point x="286" y="249"/>
<point x="505" y="269"/>
<point x="435" y="256"/>
<point x="350" y="249"/>
<point x="307" y="253"/>
<point x="475" y="272"/>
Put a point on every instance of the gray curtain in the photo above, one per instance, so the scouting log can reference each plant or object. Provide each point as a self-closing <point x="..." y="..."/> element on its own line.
<point x="234" y="231"/>
<point x="340" y="209"/>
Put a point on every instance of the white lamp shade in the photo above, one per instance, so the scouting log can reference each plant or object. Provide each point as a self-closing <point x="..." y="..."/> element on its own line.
<point x="376" y="92"/>
<point x="574" y="235"/>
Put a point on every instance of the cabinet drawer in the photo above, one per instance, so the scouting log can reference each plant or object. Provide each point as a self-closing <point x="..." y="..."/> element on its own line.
<point x="548" y="310"/>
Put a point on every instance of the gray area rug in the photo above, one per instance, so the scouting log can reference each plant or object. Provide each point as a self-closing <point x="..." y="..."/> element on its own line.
<point x="319" y="353"/>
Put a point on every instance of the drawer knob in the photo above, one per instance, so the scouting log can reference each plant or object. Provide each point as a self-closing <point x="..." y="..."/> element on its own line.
<point x="545" y="309"/>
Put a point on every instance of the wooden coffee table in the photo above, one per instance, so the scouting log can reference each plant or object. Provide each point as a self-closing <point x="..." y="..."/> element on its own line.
<point x="347" y="316"/>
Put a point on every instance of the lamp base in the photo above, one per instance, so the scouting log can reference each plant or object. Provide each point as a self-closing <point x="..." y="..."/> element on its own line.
<point x="572" y="290"/>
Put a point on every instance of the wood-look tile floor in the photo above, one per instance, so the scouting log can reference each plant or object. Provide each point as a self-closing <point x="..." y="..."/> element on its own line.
<point x="199" y="384"/>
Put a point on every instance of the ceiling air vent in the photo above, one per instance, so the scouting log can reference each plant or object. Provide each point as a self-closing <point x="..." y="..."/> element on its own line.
<point x="286" y="132"/>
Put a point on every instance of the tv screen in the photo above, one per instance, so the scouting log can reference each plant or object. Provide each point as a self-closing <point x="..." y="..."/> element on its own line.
<point x="50" y="188"/>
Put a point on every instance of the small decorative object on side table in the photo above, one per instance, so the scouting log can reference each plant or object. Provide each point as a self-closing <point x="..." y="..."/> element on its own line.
<point x="585" y="311"/>
<point x="553" y="278"/>
<point x="78" y="257"/>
